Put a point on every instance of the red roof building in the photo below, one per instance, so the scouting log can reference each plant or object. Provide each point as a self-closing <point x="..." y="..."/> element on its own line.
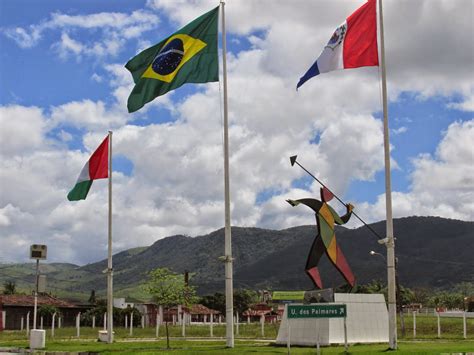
<point x="17" y="307"/>
<point x="255" y="313"/>
<point x="200" y="313"/>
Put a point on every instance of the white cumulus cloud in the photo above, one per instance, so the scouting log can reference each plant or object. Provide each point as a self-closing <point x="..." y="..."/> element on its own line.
<point x="176" y="184"/>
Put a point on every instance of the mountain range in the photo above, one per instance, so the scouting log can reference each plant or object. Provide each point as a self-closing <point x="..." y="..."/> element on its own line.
<point x="432" y="252"/>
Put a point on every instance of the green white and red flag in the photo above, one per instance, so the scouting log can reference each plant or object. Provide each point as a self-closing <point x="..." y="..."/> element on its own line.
<point x="96" y="168"/>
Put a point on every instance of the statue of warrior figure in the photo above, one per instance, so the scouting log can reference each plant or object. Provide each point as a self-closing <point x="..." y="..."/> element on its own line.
<point x="325" y="240"/>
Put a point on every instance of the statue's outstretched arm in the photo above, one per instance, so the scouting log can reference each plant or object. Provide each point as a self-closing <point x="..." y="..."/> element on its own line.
<point x="312" y="203"/>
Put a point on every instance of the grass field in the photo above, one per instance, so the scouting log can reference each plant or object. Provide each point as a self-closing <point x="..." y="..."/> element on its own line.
<point x="193" y="346"/>
<point x="427" y="327"/>
<point x="249" y="340"/>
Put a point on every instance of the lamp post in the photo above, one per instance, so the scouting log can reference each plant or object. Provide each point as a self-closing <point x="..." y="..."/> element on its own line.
<point x="37" y="336"/>
<point x="375" y="253"/>
<point x="397" y="291"/>
<point x="37" y="251"/>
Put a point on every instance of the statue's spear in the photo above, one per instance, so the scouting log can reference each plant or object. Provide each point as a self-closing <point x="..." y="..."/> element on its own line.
<point x="293" y="162"/>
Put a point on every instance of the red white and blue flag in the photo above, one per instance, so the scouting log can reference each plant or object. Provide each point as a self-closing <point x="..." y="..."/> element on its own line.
<point x="353" y="44"/>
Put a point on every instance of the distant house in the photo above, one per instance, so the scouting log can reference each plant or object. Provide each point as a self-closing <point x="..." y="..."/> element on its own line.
<point x="255" y="313"/>
<point x="122" y="303"/>
<point x="149" y="312"/>
<point x="200" y="313"/>
<point x="147" y="309"/>
<point x="15" y="307"/>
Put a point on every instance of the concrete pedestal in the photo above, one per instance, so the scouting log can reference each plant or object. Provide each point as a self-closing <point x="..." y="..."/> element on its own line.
<point x="103" y="335"/>
<point x="37" y="338"/>
<point x="367" y="322"/>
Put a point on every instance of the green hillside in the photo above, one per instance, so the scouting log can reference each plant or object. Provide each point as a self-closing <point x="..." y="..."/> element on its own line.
<point x="432" y="252"/>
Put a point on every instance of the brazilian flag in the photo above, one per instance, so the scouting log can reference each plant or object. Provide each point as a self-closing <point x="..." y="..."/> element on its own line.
<point x="187" y="56"/>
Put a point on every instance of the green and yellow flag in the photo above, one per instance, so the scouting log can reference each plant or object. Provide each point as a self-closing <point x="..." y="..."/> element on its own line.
<point x="187" y="56"/>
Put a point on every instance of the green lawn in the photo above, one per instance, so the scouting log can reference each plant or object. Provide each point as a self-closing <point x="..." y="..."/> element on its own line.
<point x="248" y="341"/>
<point x="248" y="347"/>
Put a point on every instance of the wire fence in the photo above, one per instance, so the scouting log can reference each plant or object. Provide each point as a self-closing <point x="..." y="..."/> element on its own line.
<point x="448" y="325"/>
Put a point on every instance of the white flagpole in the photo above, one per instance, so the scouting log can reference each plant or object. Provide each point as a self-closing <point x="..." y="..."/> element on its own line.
<point x="229" y="302"/>
<point x="389" y="240"/>
<point x="110" y="275"/>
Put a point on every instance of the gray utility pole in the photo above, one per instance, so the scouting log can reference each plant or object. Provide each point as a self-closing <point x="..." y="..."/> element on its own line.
<point x="389" y="240"/>
<point x="229" y="301"/>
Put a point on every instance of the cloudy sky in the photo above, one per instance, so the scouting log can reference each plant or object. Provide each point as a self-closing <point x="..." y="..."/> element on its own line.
<point x="63" y="85"/>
